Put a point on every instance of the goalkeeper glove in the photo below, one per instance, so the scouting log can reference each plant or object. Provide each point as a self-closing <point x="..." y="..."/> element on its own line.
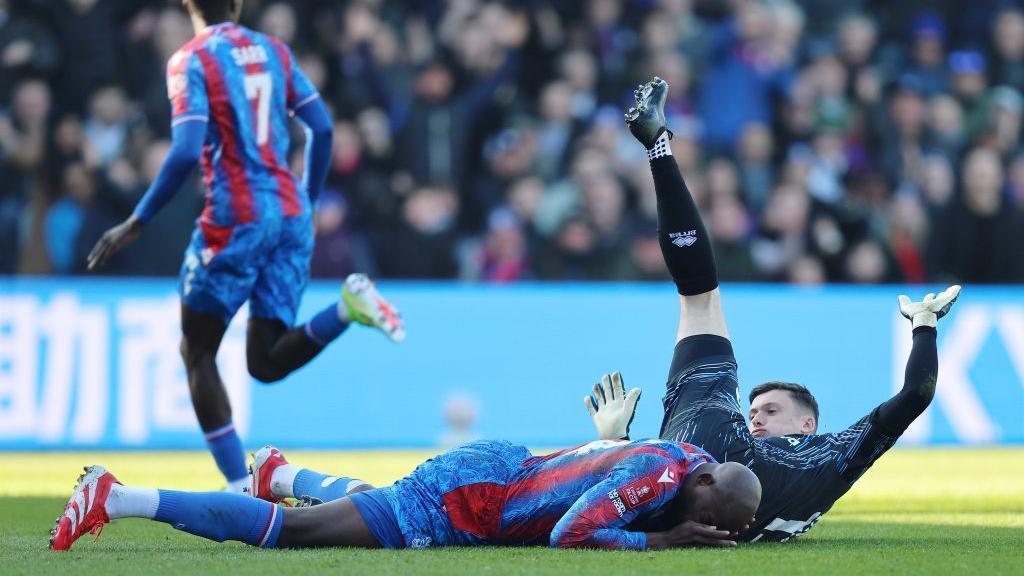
<point x="928" y="311"/>
<point x="611" y="408"/>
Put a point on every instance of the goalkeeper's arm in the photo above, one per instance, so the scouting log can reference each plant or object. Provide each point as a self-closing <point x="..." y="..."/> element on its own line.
<point x="897" y="413"/>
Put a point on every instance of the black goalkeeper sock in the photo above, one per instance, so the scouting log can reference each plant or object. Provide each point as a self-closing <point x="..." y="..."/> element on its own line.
<point x="685" y="244"/>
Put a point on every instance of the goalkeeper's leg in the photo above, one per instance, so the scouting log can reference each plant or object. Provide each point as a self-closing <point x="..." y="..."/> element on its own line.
<point x="685" y="243"/>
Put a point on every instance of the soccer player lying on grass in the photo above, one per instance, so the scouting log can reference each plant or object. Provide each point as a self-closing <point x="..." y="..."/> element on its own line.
<point x="647" y="494"/>
<point x="802" y="472"/>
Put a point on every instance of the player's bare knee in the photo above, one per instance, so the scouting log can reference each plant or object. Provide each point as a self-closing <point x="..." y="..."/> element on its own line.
<point x="193" y="355"/>
<point x="264" y="372"/>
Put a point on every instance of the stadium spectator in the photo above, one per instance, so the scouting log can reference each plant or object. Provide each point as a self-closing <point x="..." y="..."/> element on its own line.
<point x="27" y="48"/>
<point x="981" y="239"/>
<point x="742" y="75"/>
<point x="503" y="256"/>
<point x="927" y="65"/>
<point x="729" y="225"/>
<point x="339" y="249"/>
<point x="87" y="31"/>
<point x="1008" y="44"/>
<point x="573" y="254"/>
<point x="423" y="243"/>
<point x="969" y="85"/>
<point x="23" y="140"/>
<point x="106" y="127"/>
<point x="757" y="172"/>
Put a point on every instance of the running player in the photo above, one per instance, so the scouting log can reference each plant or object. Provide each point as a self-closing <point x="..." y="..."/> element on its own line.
<point x="647" y="494"/>
<point x="802" y="472"/>
<point x="232" y="91"/>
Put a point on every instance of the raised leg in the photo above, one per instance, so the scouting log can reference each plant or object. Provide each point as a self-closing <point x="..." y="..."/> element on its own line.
<point x="685" y="243"/>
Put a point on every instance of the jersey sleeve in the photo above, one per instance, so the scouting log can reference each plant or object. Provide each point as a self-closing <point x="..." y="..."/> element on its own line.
<point x="637" y="486"/>
<point x="300" y="90"/>
<point x="186" y="88"/>
<point x="863" y="443"/>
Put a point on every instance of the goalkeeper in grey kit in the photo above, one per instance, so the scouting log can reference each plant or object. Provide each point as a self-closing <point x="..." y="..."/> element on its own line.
<point x="802" y="472"/>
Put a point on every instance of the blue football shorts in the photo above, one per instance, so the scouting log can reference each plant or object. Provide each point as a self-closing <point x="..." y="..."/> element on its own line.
<point x="264" y="262"/>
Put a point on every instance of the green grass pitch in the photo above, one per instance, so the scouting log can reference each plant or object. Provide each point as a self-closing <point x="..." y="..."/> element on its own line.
<point x="949" y="511"/>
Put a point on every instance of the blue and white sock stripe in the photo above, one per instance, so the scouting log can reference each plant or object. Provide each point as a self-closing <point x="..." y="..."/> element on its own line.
<point x="222" y="431"/>
<point x="312" y="335"/>
<point x="270" y="532"/>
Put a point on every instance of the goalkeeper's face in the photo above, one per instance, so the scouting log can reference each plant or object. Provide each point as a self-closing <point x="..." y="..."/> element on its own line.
<point x="777" y="413"/>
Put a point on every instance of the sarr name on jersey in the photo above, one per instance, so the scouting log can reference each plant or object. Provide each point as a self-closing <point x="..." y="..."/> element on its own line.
<point x="245" y="55"/>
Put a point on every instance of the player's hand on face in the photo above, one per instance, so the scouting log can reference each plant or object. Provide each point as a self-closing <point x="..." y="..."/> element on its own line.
<point x="611" y="408"/>
<point x="692" y="533"/>
<point x="112" y="241"/>
<point x="928" y="311"/>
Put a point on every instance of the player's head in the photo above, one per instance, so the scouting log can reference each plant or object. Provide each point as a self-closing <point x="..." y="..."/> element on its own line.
<point x="214" y="11"/>
<point x="721" y="495"/>
<point x="782" y="408"/>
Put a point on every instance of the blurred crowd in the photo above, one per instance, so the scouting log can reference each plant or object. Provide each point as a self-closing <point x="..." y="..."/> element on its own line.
<point x="825" y="140"/>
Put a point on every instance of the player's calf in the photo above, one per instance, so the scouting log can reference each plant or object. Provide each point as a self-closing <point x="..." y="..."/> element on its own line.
<point x="273" y="350"/>
<point x="202" y="334"/>
<point x="100" y="498"/>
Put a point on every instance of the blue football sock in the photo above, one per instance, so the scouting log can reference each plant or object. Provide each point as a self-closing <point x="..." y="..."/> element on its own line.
<point x="323" y="487"/>
<point x="222" y="516"/>
<point x="325" y="326"/>
<point x="227" y="451"/>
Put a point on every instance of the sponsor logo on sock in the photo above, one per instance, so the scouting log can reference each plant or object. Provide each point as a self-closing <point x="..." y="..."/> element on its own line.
<point x="682" y="239"/>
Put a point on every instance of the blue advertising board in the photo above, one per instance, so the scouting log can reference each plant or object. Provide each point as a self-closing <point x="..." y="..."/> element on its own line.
<point x="90" y="364"/>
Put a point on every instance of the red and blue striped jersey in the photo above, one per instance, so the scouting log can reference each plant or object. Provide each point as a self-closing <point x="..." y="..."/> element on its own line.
<point x="604" y="494"/>
<point x="246" y="86"/>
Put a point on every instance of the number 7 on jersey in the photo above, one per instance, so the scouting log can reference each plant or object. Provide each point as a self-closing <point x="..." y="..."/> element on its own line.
<point x="257" y="87"/>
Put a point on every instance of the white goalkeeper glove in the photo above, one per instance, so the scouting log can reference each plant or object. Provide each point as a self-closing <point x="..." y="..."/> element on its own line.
<point x="928" y="311"/>
<point x="611" y="408"/>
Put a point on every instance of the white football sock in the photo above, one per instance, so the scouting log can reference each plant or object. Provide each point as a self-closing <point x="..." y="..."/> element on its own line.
<point x="131" y="502"/>
<point x="343" y="314"/>
<point x="240" y="486"/>
<point x="661" y="147"/>
<point x="282" y="481"/>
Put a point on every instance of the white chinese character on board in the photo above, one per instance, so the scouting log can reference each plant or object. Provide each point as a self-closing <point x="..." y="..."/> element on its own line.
<point x="153" y="386"/>
<point x="57" y="352"/>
